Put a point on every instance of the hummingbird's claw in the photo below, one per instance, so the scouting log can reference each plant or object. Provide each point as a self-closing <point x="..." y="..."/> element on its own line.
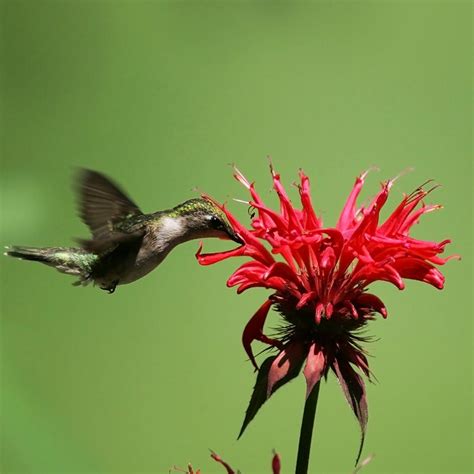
<point x="110" y="289"/>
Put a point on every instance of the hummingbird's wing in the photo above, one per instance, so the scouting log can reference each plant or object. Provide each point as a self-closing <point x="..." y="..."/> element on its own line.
<point x="111" y="215"/>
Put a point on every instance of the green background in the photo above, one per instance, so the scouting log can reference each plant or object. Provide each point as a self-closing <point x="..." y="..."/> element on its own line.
<point x="162" y="96"/>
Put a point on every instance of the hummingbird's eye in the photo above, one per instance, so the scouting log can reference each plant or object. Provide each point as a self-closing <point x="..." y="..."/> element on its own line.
<point x="216" y="223"/>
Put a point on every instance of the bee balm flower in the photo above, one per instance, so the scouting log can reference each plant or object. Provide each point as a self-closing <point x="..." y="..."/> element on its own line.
<point x="320" y="282"/>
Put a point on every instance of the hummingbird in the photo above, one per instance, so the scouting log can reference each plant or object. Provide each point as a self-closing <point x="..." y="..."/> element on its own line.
<point x="126" y="244"/>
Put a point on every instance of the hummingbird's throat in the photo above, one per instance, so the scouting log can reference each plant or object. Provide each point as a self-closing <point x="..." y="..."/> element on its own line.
<point x="173" y="228"/>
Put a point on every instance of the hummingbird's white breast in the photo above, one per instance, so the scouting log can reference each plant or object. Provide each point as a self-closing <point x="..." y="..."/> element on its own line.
<point x="157" y="243"/>
<point x="172" y="229"/>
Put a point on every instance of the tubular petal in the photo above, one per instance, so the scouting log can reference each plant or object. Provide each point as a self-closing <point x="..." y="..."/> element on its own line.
<point x="372" y="302"/>
<point x="319" y="312"/>
<point x="285" y="204"/>
<point x="372" y="273"/>
<point x="249" y="270"/>
<point x="211" y="258"/>
<point x="305" y="298"/>
<point x="275" y="283"/>
<point x="369" y="222"/>
<point x="311" y="219"/>
<point x="418" y="269"/>
<point x="327" y="259"/>
<point x="347" y="216"/>
<point x="278" y="219"/>
<point x="281" y="270"/>
<point x="352" y="309"/>
<point x="253" y="330"/>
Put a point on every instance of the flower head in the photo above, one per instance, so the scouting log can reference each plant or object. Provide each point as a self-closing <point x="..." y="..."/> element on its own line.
<point x="320" y="282"/>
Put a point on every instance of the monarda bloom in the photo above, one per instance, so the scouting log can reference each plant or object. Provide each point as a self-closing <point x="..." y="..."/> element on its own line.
<point x="319" y="278"/>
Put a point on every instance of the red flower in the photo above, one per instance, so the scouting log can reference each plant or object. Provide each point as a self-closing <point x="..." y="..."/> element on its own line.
<point x="276" y="465"/>
<point x="320" y="284"/>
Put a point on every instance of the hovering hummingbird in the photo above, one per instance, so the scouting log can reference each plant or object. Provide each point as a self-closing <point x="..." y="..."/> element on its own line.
<point x="126" y="244"/>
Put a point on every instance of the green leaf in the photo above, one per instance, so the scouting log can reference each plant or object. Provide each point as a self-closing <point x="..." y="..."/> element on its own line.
<point x="259" y="395"/>
<point x="274" y="372"/>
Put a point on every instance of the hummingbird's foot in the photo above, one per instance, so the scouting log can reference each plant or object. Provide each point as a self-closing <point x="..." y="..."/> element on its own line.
<point x="110" y="289"/>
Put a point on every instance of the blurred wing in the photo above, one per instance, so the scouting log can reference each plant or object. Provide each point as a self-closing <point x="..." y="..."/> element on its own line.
<point x="102" y="204"/>
<point x="100" y="246"/>
<point x="107" y="211"/>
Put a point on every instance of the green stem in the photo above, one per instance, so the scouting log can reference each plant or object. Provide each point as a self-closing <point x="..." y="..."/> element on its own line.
<point x="306" y="432"/>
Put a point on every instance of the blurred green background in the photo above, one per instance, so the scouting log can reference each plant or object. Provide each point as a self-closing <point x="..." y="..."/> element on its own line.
<point x="162" y="96"/>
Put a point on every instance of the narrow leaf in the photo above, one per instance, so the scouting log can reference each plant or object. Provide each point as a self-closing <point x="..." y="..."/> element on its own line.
<point x="259" y="395"/>
<point x="354" y="390"/>
<point x="274" y="372"/>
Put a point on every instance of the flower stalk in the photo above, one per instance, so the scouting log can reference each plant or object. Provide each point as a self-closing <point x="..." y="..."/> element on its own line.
<point x="306" y="431"/>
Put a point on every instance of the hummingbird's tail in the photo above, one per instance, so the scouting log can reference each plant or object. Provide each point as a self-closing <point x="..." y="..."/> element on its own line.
<point x="72" y="261"/>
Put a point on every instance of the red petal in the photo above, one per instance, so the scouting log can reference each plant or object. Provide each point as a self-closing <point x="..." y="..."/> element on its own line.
<point x="369" y="222"/>
<point x="347" y="216"/>
<point x="318" y="312"/>
<point x="248" y="271"/>
<point x="281" y="270"/>
<point x="305" y="298"/>
<point x="415" y="217"/>
<point x="441" y="261"/>
<point x="286" y="207"/>
<point x="418" y="269"/>
<point x="311" y="220"/>
<point x="400" y="220"/>
<point x="253" y="331"/>
<point x="279" y="221"/>
<point x="367" y="300"/>
<point x="210" y="258"/>
<point x="275" y="283"/>
<point x="327" y="259"/>
<point x="370" y="273"/>
<point x="352" y="309"/>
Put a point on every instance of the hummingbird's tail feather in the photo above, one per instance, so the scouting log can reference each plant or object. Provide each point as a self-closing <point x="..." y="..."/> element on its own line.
<point x="72" y="261"/>
<point x="26" y="253"/>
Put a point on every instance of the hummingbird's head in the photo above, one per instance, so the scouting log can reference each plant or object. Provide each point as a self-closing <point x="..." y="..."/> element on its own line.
<point x="202" y="218"/>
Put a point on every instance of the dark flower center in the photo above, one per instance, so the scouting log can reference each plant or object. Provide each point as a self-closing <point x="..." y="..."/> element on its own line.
<point x="300" y="324"/>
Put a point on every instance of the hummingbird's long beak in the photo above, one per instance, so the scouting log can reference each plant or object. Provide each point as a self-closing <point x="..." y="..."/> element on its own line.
<point x="235" y="237"/>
